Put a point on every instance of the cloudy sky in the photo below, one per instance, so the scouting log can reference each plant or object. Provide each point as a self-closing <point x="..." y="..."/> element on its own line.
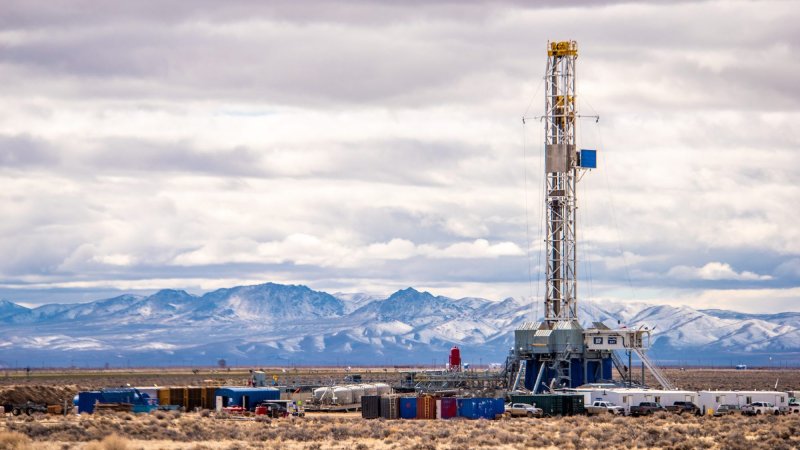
<point x="368" y="146"/>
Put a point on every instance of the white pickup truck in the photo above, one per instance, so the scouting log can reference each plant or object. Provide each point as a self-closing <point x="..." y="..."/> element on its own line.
<point x="523" y="409"/>
<point x="604" y="407"/>
<point x="759" y="408"/>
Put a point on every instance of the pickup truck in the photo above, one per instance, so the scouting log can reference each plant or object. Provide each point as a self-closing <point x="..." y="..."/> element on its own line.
<point x="523" y="409"/>
<point x="684" y="407"/>
<point x="726" y="410"/>
<point x="646" y="408"/>
<point x="759" y="408"/>
<point x="603" y="407"/>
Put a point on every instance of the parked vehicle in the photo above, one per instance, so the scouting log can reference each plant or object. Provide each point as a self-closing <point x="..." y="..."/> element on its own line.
<point x="604" y="407"/>
<point x="792" y="408"/>
<point x="28" y="408"/>
<point x="275" y="410"/>
<point x="646" y="408"/>
<point x="759" y="408"/>
<point x="684" y="407"/>
<point x="726" y="410"/>
<point x="523" y="409"/>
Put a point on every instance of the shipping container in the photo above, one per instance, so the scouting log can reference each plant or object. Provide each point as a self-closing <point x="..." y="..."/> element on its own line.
<point x="554" y="404"/>
<point x="163" y="396"/>
<point x="426" y="407"/>
<point x="480" y="408"/>
<point x="499" y="406"/>
<point x="209" y="397"/>
<point x="192" y="398"/>
<point x="449" y="407"/>
<point x="370" y="406"/>
<point x="176" y="396"/>
<point x="408" y="407"/>
<point x="390" y="407"/>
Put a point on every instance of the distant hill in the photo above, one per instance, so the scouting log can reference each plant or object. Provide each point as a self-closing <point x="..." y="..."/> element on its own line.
<point x="273" y="324"/>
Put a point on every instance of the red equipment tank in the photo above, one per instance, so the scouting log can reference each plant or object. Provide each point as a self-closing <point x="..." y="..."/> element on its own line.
<point x="455" y="359"/>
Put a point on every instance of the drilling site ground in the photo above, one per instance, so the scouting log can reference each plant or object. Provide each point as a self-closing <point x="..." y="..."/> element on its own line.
<point x="208" y="430"/>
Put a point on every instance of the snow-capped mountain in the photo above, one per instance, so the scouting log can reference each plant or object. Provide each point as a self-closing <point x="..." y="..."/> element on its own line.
<point x="272" y="324"/>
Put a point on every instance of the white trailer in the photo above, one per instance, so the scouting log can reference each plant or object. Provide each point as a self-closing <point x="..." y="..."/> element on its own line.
<point x="628" y="397"/>
<point x="711" y="400"/>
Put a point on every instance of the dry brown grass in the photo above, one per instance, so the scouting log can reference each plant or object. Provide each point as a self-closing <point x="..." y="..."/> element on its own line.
<point x="10" y="440"/>
<point x="211" y="431"/>
<point x="193" y="431"/>
<point x="111" y="442"/>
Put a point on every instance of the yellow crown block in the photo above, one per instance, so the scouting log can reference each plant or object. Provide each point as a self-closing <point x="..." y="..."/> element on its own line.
<point x="563" y="48"/>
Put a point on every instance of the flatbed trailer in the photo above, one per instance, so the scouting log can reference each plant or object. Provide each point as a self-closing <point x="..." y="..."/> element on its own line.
<point x="316" y="407"/>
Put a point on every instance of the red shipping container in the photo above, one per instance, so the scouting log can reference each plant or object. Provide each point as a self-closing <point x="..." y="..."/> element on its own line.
<point x="449" y="407"/>
<point x="426" y="407"/>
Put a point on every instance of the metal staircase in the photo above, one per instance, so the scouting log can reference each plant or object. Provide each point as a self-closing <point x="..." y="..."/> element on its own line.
<point x="623" y="370"/>
<point x="520" y="376"/>
<point x="657" y="373"/>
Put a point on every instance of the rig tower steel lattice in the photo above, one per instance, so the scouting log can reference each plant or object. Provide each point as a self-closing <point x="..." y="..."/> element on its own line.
<point x="558" y="352"/>
<point x="562" y="174"/>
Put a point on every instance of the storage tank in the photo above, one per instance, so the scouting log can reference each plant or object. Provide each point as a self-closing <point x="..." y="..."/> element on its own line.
<point x="358" y="392"/>
<point x="383" y="388"/>
<point x="369" y="389"/>
<point x="342" y="395"/>
<point x="455" y="359"/>
<point x="323" y="394"/>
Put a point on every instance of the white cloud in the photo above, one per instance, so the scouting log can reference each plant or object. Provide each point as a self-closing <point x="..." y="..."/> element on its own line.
<point x="714" y="271"/>
<point x="479" y="248"/>
<point x="306" y="249"/>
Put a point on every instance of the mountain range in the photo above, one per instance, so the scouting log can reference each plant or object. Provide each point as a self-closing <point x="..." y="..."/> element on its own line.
<point x="283" y="325"/>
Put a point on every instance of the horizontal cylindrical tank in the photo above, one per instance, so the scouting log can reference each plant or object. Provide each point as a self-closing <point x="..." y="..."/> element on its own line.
<point x="370" y="389"/>
<point x="383" y="389"/>
<point x="323" y="394"/>
<point x="358" y="392"/>
<point x="342" y="395"/>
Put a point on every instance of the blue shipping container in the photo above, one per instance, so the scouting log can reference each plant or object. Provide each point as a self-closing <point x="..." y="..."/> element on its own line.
<point x="480" y="408"/>
<point x="408" y="407"/>
<point x="499" y="406"/>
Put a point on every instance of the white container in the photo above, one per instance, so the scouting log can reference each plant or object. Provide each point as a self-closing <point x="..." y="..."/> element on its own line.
<point x="711" y="400"/>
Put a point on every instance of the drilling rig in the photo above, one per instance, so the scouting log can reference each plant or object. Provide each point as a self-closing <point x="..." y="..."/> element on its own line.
<point x="558" y="352"/>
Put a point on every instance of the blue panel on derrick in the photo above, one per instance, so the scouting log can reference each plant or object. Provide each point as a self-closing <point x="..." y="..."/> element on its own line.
<point x="607" y="364"/>
<point x="593" y="371"/>
<point x="588" y="159"/>
<point x="531" y="370"/>
<point x="576" y="372"/>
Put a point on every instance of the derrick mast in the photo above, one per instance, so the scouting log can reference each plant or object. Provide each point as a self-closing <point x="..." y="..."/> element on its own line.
<point x="561" y="172"/>
<point x="558" y="351"/>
